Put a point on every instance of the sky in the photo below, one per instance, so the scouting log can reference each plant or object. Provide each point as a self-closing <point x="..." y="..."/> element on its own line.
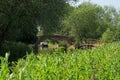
<point x="114" y="3"/>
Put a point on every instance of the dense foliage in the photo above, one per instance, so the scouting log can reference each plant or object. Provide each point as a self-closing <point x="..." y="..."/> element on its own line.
<point x="17" y="50"/>
<point x="100" y="63"/>
<point x="20" y="19"/>
<point x="19" y="24"/>
<point x="89" y="20"/>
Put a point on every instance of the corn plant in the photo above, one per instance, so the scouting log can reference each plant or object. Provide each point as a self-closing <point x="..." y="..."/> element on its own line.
<point x="100" y="63"/>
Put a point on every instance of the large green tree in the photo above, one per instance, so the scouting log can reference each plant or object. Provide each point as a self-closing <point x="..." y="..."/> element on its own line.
<point x="17" y="21"/>
<point x="19" y="18"/>
<point x="85" y="22"/>
<point x="112" y="21"/>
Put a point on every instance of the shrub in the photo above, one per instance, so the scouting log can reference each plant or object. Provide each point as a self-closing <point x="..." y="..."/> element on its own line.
<point x="108" y="36"/>
<point x="63" y="45"/>
<point x="17" y="50"/>
<point x="77" y="45"/>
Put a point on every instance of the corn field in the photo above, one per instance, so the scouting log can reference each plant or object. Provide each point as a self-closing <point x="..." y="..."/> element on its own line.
<point x="100" y="63"/>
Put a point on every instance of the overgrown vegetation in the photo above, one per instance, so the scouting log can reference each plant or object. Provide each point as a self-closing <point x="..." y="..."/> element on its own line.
<point x="89" y="20"/>
<point x="100" y="63"/>
<point x="63" y="45"/>
<point x="20" y="21"/>
<point x="17" y="50"/>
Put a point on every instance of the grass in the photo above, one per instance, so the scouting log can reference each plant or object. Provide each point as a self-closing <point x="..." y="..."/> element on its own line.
<point x="101" y="63"/>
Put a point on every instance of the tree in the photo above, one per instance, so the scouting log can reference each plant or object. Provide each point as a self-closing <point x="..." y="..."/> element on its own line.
<point x="117" y="26"/>
<point x="64" y="21"/>
<point x="111" y="19"/>
<point x="19" y="18"/>
<point x="53" y="11"/>
<point x="85" y="22"/>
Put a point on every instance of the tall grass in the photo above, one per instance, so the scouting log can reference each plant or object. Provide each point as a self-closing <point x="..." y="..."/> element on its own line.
<point x="101" y="63"/>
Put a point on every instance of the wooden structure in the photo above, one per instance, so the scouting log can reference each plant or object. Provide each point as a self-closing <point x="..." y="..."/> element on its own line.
<point x="89" y="44"/>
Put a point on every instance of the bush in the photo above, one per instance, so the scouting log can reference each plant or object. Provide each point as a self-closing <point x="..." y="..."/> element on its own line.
<point x="17" y="50"/>
<point x="63" y="45"/>
<point x="117" y="34"/>
<point x="108" y="36"/>
<point x="77" y="45"/>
